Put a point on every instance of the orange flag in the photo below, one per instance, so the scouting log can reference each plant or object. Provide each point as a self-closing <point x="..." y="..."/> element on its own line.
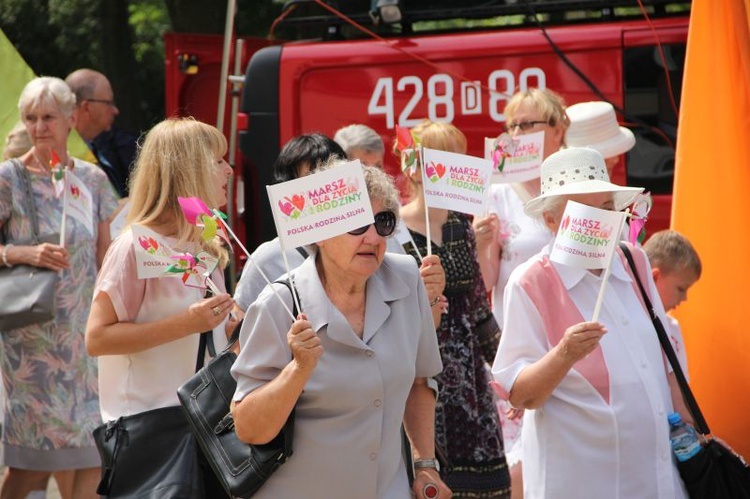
<point x="711" y="208"/>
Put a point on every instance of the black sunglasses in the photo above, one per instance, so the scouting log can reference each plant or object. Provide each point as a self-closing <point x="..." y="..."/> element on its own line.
<point x="385" y="224"/>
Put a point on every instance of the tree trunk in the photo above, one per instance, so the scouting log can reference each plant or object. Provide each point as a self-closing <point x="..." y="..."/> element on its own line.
<point x="119" y="64"/>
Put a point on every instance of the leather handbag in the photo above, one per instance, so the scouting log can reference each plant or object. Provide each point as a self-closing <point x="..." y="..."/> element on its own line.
<point x="152" y="454"/>
<point x="149" y="455"/>
<point x="27" y="293"/>
<point x="241" y="468"/>
<point x="715" y="472"/>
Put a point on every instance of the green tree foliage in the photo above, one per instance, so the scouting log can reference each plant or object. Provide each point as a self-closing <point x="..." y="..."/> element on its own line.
<point x="121" y="38"/>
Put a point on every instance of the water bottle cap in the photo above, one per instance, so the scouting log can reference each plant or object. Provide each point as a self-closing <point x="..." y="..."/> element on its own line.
<point x="674" y="418"/>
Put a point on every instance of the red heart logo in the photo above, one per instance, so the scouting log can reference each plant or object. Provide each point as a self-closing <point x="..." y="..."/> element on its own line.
<point x="298" y="201"/>
<point x="143" y="242"/>
<point x="286" y="208"/>
<point x="152" y="242"/>
<point x="430" y="170"/>
<point x="440" y="169"/>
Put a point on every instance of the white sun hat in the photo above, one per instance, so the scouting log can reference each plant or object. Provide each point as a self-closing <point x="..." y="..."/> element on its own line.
<point x="594" y="125"/>
<point x="578" y="170"/>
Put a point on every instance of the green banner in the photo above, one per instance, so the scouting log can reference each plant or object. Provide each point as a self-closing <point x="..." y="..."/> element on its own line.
<point x="16" y="74"/>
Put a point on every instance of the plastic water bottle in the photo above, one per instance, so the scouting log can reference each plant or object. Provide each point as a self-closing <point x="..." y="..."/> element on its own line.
<point x="684" y="439"/>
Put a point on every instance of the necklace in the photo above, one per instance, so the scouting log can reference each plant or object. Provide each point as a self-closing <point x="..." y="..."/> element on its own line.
<point x="43" y="167"/>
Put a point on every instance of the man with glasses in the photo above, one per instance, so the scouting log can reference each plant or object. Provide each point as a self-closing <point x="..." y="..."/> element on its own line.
<point x="114" y="148"/>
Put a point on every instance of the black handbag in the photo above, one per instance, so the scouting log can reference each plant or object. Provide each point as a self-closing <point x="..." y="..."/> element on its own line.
<point x="149" y="455"/>
<point x="241" y="468"/>
<point x="27" y="293"/>
<point x="152" y="454"/>
<point x="715" y="472"/>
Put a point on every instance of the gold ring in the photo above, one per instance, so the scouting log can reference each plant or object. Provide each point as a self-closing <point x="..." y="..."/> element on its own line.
<point x="217" y="310"/>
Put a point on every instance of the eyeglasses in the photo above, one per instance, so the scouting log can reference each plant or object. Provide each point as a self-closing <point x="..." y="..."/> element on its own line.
<point x="524" y="125"/>
<point x="110" y="103"/>
<point x="385" y="224"/>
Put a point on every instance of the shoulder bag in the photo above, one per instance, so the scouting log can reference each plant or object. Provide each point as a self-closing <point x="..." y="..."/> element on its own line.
<point x="716" y="471"/>
<point x="152" y="454"/>
<point x="241" y="468"/>
<point x="27" y="293"/>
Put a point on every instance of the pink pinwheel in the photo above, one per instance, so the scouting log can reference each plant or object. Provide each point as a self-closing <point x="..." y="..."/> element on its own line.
<point x="191" y="270"/>
<point x="193" y="208"/>
<point x="641" y="208"/>
<point x="197" y="213"/>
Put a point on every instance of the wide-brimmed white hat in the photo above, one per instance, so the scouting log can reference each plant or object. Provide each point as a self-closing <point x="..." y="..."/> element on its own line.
<point x="594" y="125"/>
<point x="578" y="170"/>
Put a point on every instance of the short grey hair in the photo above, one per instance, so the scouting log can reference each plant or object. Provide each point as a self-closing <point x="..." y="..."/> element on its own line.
<point x="359" y="137"/>
<point x="47" y="89"/>
<point x="380" y="185"/>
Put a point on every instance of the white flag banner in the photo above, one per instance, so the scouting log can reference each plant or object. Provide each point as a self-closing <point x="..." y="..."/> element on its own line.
<point x="79" y="202"/>
<point x="401" y="233"/>
<point x="152" y="254"/>
<point x="587" y="236"/>
<point x="456" y="181"/>
<point x="515" y="159"/>
<point x="320" y="206"/>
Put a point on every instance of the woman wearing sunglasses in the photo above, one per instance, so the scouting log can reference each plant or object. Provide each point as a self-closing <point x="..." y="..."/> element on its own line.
<point x="467" y="427"/>
<point x="354" y="366"/>
<point x="508" y="237"/>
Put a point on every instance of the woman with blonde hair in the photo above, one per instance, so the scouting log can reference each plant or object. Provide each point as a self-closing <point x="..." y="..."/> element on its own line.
<point x="507" y="237"/>
<point x="17" y="142"/>
<point x="50" y="382"/>
<point x="466" y="420"/>
<point x="144" y="331"/>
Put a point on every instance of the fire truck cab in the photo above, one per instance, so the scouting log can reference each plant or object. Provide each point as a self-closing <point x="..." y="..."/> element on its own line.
<point x="461" y="64"/>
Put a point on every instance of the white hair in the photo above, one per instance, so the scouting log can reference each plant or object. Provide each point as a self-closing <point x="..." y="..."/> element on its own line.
<point x="47" y="89"/>
<point x="359" y="137"/>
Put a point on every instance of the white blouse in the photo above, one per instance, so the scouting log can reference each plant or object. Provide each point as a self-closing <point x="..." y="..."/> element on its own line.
<point x="578" y="444"/>
<point x="138" y="382"/>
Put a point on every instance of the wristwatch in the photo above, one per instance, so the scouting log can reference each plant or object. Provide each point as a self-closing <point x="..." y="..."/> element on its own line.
<point x="427" y="463"/>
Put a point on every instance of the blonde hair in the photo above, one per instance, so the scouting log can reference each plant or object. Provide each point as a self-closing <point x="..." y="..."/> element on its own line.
<point x="176" y="160"/>
<point x="47" y="89"/>
<point x="550" y="105"/>
<point x="440" y="136"/>
<point x="17" y="142"/>
<point x="670" y="251"/>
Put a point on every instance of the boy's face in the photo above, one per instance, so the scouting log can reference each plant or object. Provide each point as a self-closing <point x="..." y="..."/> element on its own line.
<point x="673" y="286"/>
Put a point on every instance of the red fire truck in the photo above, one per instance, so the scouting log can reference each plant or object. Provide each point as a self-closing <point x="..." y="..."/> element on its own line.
<point x="457" y="64"/>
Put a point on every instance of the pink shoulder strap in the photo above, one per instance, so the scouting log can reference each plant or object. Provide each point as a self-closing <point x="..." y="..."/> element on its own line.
<point x="546" y="290"/>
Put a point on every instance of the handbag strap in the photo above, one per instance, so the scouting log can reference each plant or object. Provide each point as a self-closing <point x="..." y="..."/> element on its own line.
<point x="206" y="342"/>
<point x="666" y="345"/>
<point x="30" y="204"/>
<point x="289" y="425"/>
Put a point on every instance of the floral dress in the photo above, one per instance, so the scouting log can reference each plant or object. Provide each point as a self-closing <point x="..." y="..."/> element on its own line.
<point x="51" y="401"/>
<point x="467" y="429"/>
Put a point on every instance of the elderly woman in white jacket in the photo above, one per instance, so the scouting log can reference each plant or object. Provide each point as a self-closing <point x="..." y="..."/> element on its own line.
<point x="354" y="365"/>
<point x="596" y="394"/>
